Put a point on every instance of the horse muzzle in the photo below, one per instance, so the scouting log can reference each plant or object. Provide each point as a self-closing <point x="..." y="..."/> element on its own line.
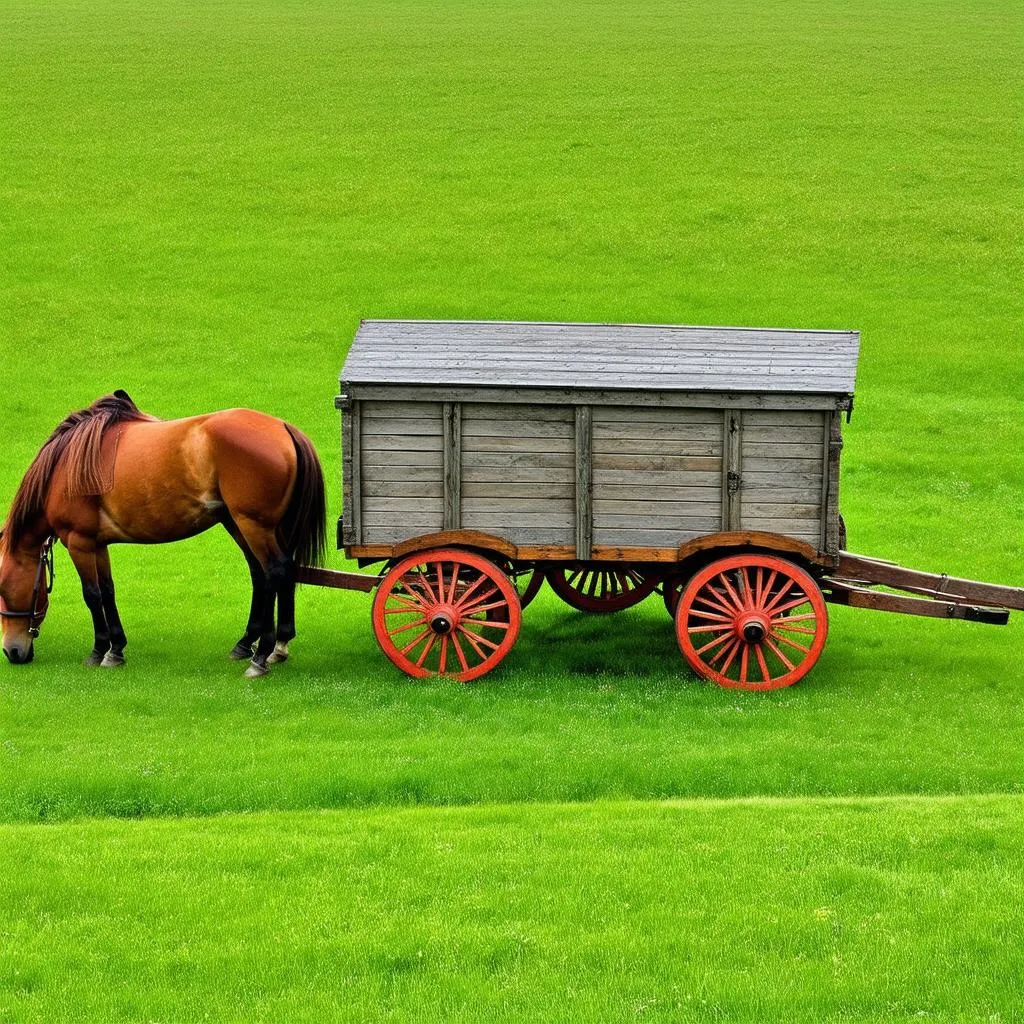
<point x="17" y="655"/>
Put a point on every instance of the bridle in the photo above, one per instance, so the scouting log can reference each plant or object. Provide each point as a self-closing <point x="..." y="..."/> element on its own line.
<point x="44" y="577"/>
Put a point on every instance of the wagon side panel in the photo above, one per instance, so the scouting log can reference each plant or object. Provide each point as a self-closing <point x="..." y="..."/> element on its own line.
<point x="785" y="473"/>
<point x="518" y="468"/>
<point x="657" y="475"/>
<point x="401" y="462"/>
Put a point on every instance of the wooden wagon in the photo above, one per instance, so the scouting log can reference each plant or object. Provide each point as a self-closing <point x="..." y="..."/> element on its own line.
<point x="613" y="461"/>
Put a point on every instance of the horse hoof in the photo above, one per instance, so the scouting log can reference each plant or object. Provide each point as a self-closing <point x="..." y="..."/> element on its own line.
<point x="241" y="652"/>
<point x="93" y="660"/>
<point x="112" y="660"/>
<point x="279" y="654"/>
<point x="254" y="671"/>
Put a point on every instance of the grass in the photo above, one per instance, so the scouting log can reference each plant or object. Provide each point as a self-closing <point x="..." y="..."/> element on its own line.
<point x="198" y="203"/>
<point x="793" y="910"/>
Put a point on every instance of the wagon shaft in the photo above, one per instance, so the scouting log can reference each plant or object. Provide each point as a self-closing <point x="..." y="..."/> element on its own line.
<point x="335" y="579"/>
<point x="943" y="596"/>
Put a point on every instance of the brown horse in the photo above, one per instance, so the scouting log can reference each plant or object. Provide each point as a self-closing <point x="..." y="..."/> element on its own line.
<point x="112" y="474"/>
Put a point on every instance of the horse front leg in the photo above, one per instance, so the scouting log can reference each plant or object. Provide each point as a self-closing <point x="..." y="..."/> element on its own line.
<point x="114" y="657"/>
<point x="83" y="557"/>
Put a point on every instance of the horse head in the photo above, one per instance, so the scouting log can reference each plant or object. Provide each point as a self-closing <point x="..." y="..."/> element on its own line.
<point x="26" y="576"/>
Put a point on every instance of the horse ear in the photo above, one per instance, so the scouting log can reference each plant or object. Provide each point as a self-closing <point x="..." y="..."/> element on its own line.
<point x="123" y="395"/>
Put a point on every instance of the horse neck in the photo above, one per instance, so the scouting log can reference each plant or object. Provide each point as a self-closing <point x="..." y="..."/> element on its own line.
<point x="32" y="538"/>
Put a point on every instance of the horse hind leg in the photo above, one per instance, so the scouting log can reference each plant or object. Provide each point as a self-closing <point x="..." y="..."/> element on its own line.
<point x="243" y="650"/>
<point x="262" y="543"/>
<point x="285" y="612"/>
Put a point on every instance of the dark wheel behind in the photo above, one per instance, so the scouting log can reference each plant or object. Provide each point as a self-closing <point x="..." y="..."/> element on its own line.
<point x="601" y="589"/>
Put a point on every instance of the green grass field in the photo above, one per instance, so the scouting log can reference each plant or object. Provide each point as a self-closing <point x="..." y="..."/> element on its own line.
<point x="199" y="202"/>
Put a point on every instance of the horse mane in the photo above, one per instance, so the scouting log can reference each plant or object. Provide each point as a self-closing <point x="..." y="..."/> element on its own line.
<point x="75" y="443"/>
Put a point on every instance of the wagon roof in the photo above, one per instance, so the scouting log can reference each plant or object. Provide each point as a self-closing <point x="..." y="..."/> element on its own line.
<point x="624" y="356"/>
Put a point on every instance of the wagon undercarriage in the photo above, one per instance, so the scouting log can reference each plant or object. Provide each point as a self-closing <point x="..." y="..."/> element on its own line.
<point x="747" y="618"/>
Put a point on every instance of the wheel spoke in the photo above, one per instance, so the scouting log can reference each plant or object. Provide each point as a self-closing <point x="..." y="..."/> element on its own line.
<point x="444" y="654"/>
<point x="774" y="648"/>
<point x="795" y="603"/>
<point x="469" y="590"/>
<point x="459" y="652"/>
<point x="486" y="623"/>
<point x="408" y="647"/>
<point x="477" y="601"/>
<point x="748" y="599"/>
<point x="418" y="586"/>
<point x="475" y="638"/>
<point x="731" y="592"/>
<point x="779" y="595"/>
<point x="402" y="607"/>
<point x="766" y="590"/>
<point x="737" y="644"/>
<point x="718" y="605"/>
<point x="703" y="629"/>
<point x="744" y="659"/>
<point x="783" y="624"/>
<point x="709" y="615"/>
<point x="409" y="625"/>
<point x="792" y="643"/>
<point x="762" y="664"/>
<point x="713" y="643"/>
<point x="426" y="650"/>
<point x="455" y="581"/>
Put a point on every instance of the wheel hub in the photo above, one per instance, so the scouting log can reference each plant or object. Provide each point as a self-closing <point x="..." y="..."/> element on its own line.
<point x="441" y="624"/>
<point x="753" y="628"/>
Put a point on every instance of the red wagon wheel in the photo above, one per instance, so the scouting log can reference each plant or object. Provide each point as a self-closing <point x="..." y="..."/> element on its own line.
<point x="591" y="588"/>
<point x="752" y="622"/>
<point x="446" y="613"/>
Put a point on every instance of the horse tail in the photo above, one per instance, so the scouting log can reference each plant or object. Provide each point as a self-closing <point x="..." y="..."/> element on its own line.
<point x="303" y="529"/>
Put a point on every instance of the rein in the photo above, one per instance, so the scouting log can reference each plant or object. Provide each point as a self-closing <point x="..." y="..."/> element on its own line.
<point x="44" y="577"/>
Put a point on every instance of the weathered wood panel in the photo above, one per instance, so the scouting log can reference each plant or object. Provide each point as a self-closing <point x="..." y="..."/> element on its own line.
<point x="524" y="456"/>
<point x="656" y="475"/>
<point x="782" y="478"/>
<point x="402" y="464"/>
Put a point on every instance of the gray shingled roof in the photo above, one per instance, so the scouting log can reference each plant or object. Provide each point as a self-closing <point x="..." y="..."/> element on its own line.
<point x="504" y="354"/>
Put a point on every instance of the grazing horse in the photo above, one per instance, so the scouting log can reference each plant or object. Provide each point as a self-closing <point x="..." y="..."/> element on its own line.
<point x="112" y="474"/>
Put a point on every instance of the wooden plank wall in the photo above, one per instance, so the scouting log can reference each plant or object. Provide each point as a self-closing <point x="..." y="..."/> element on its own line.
<point x="783" y="455"/>
<point x="402" y="470"/>
<point x="518" y="471"/>
<point x="657" y="475"/>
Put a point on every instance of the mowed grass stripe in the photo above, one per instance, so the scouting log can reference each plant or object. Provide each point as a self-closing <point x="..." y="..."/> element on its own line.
<point x="806" y="910"/>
